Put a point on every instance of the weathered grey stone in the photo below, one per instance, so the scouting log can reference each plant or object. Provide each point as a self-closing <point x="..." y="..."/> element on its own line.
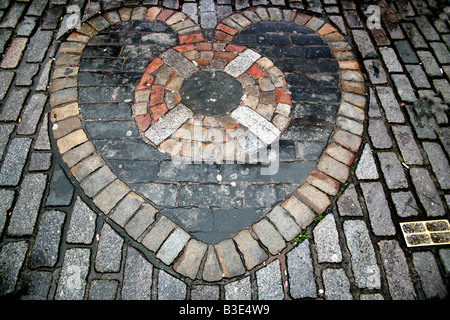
<point x="432" y="68"/>
<point x="61" y="189"/>
<point x="427" y="192"/>
<point x="439" y="163"/>
<point x="408" y="147"/>
<point x="6" y="78"/>
<point x="39" y="285"/>
<point x="158" y="233"/>
<point x="82" y="223"/>
<point x="211" y="270"/>
<point x="97" y="181"/>
<point x="396" y="269"/>
<point x="202" y="292"/>
<point x="173" y="246"/>
<point x="405" y="204"/>
<point x="379" y="134"/>
<point x="257" y="124"/>
<point x="14" y="161"/>
<point x="379" y="212"/>
<point x="364" y="262"/>
<point x="5" y="132"/>
<point x="253" y="253"/>
<point x="241" y="63"/>
<point x="188" y="264"/>
<point x="390" y="59"/>
<point x="392" y="170"/>
<point x="179" y="63"/>
<point x="269" y="236"/>
<point x="364" y="44"/>
<point x="43" y="140"/>
<point x="239" y="290"/>
<point x="6" y="200"/>
<point x="269" y="282"/>
<point x="27" y="206"/>
<point x="327" y="240"/>
<point x="46" y="246"/>
<point x="137" y="279"/>
<point x="404" y="88"/>
<point x="348" y="204"/>
<point x="126" y="208"/>
<point x="109" y="252"/>
<point x="170" y="288"/>
<point x="366" y="166"/>
<point x="431" y="279"/>
<point x="40" y="161"/>
<point x="284" y="223"/>
<point x="103" y="290"/>
<point x="302" y="283"/>
<point x="390" y="104"/>
<point x="229" y="259"/>
<point x="72" y="282"/>
<point x="168" y="124"/>
<point x="12" y="255"/>
<point x="145" y="216"/>
<point x="444" y="255"/>
<point x="337" y="286"/>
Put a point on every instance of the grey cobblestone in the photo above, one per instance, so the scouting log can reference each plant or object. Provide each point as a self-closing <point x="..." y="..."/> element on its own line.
<point x="14" y="161"/>
<point x="72" y="282"/>
<point x="109" y="250"/>
<point x="46" y="245"/>
<point x="439" y="163"/>
<point x="337" y="286"/>
<point x="82" y="224"/>
<point x="427" y="192"/>
<point x="137" y="280"/>
<point x="269" y="282"/>
<point x="327" y="241"/>
<point x="428" y="270"/>
<point x="12" y="256"/>
<point x="26" y="209"/>
<point x="392" y="170"/>
<point x="301" y="273"/>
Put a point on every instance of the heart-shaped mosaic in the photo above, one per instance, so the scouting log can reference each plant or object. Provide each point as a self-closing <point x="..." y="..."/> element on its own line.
<point x="208" y="150"/>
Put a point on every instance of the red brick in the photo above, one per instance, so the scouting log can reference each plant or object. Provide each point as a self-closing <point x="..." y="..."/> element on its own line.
<point x="316" y="199"/>
<point x="227" y="29"/>
<point x="256" y="72"/>
<point x="146" y="82"/>
<point x="234" y="48"/>
<point x="157" y="95"/>
<point x="184" y="47"/>
<point x="154" y="65"/>
<point x="158" y="111"/>
<point x="222" y="36"/>
<point x="225" y="55"/>
<point x="191" y="38"/>
<point x="203" y="63"/>
<point x="143" y="121"/>
<point x="204" y="46"/>
<point x="165" y="14"/>
<point x="324" y="182"/>
<point x="283" y="95"/>
<point x="14" y="53"/>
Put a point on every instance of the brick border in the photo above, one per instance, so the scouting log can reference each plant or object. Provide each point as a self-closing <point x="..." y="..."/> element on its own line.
<point x="170" y="243"/>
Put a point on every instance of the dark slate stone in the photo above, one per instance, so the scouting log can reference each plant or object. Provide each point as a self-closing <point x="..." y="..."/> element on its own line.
<point x="170" y="171"/>
<point x="307" y="39"/>
<point x="101" y="64"/>
<point x="101" y="51"/>
<point x="318" y="52"/>
<point x="308" y="132"/>
<point x="210" y="195"/>
<point x="263" y="196"/>
<point x="161" y="194"/>
<point x="135" y="170"/>
<point x="106" y="111"/>
<point x="110" y="148"/>
<point x="112" y="129"/>
<point x="137" y="149"/>
<point x="273" y="39"/>
<point x="61" y="189"/>
<point x="149" y="26"/>
<point x="328" y="95"/>
<point x="90" y="78"/>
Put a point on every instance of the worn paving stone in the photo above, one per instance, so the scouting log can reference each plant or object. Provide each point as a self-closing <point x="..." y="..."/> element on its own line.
<point x="327" y="241"/>
<point x="6" y="78"/>
<point x="14" y="161"/>
<point x="407" y="145"/>
<point x="61" y="189"/>
<point x="239" y="290"/>
<point x="189" y="262"/>
<point x="82" y="223"/>
<point x="6" y="200"/>
<point x="173" y="246"/>
<point x="427" y="192"/>
<point x="392" y="170"/>
<point x="137" y="279"/>
<point x="75" y="268"/>
<point x="12" y="257"/>
<point x="46" y="246"/>
<point x="302" y="282"/>
<point x="379" y="212"/>
<point x="396" y="269"/>
<point x="103" y="290"/>
<point x="253" y="253"/>
<point x="364" y="262"/>
<point x="348" y="204"/>
<point x="269" y="282"/>
<point x="366" y="168"/>
<point x="428" y="270"/>
<point x="379" y="134"/>
<point x="337" y="285"/>
<point x="439" y="163"/>
<point x="109" y="250"/>
<point x="229" y="259"/>
<point x="170" y="288"/>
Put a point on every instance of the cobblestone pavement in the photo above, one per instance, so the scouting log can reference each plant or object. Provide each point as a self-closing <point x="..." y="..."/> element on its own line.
<point x="352" y="94"/>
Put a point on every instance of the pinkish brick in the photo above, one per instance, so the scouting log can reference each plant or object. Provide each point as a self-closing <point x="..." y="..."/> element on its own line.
<point x="14" y="53"/>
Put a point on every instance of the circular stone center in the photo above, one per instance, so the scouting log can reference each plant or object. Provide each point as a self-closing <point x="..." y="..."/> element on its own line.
<point x="211" y="93"/>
